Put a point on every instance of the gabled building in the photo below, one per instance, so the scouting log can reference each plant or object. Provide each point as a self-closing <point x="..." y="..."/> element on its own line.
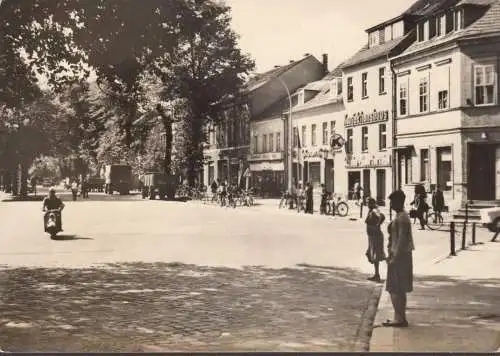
<point x="228" y="144"/>
<point x="447" y="98"/>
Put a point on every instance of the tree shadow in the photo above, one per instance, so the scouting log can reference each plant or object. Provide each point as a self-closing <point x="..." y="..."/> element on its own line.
<point x="70" y="238"/>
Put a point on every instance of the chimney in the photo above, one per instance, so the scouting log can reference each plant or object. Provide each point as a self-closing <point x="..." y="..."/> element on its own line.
<point x="325" y="63"/>
<point x="292" y="61"/>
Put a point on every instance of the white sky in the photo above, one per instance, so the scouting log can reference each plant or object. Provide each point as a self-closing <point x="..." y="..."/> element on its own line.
<point x="276" y="31"/>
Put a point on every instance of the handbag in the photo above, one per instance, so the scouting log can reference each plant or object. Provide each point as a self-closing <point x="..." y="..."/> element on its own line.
<point x="413" y="213"/>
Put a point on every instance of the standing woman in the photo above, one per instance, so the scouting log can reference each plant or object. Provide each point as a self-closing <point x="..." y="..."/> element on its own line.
<point x="309" y="199"/>
<point x="375" y="252"/>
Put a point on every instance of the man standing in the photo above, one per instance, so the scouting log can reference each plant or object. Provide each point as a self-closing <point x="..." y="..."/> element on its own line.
<point x="309" y="198"/>
<point x="400" y="261"/>
<point x="437" y="201"/>
<point x="74" y="189"/>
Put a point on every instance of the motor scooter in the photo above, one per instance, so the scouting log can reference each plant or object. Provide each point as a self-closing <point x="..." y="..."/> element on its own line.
<point x="52" y="222"/>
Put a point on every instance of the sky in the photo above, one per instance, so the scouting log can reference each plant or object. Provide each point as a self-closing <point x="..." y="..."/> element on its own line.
<point x="274" y="32"/>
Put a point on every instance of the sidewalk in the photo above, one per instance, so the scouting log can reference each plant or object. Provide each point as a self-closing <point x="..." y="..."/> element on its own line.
<point x="455" y="305"/>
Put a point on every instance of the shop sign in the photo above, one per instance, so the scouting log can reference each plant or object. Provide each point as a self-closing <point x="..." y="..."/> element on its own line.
<point x="269" y="156"/>
<point x="368" y="161"/>
<point x="365" y="119"/>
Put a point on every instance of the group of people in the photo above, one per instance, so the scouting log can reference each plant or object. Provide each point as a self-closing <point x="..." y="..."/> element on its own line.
<point x="224" y="191"/>
<point x="421" y="207"/>
<point x="78" y="189"/>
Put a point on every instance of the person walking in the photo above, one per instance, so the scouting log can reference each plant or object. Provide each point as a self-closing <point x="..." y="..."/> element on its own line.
<point x="309" y="198"/>
<point x="324" y="198"/>
<point x="74" y="189"/>
<point x="437" y="201"/>
<point x="399" y="262"/>
<point x="356" y="190"/>
<point x="375" y="252"/>
<point x="421" y="207"/>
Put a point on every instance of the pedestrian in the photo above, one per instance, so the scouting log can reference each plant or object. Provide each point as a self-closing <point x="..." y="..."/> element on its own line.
<point x="375" y="252"/>
<point x="438" y="203"/>
<point x="324" y="198"/>
<point x="74" y="189"/>
<point x="309" y="198"/>
<point x="357" y="192"/>
<point x="399" y="262"/>
<point x="421" y="207"/>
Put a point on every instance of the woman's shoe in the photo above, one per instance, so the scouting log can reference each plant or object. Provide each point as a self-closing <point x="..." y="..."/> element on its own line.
<point x="395" y="324"/>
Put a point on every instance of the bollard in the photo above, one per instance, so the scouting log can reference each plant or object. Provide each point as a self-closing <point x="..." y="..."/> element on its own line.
<point x="361" y="210"/>
<point x="452" y="239"/>
<point x="464" y="233"/>
<point x="474" y="233"/>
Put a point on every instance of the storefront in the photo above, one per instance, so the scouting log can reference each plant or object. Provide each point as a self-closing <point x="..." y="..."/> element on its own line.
<point x="267" y="171"/>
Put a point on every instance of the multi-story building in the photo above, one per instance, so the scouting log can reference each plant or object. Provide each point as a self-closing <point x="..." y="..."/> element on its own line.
<point x="447" y="98"/>
<point x="368" y="98"/>
<point x="316" y="110"/>
<point x="228" y="147"/>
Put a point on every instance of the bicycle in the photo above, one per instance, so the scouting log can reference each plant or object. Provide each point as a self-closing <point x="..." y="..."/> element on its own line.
<point x="433" y="220"/>
<point x="339" y="207"/>
<point x="286" y="199"/>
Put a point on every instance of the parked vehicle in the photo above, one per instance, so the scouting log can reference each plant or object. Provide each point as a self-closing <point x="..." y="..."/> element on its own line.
<point x="118" y="178"/>
<point x="96" y="184"/>
<point x="158" y="184"/>
<point x="490" y="218"/>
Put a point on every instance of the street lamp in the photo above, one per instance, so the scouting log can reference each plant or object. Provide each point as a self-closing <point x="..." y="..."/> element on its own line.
<point x="290" y="128"/>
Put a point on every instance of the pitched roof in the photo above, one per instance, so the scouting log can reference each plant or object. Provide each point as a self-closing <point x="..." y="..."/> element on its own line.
<point x="489" y="23"/>
<point x="424" y="8"/>
<point x="366" y="54"/>
<point x="260" y="79"/>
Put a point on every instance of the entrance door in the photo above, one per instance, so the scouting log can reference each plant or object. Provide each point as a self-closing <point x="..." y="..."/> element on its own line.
<point x="482" y="175"/>
<point x="497" y="173"/>
<point x="366" y="183"/>
<point x="352" y="178"/>
<point x="329" y="175"/>
<point x="381" y="193"/>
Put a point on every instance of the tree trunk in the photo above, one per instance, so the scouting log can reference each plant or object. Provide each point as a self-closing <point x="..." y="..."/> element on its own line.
<point x="23" y="180"/>
<point x="167" y="125"/>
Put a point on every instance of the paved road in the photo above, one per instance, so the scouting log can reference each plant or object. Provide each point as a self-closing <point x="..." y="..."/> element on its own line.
<point x="133" y="275"/>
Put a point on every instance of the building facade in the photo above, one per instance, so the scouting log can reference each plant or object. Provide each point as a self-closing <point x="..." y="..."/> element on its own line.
<point x="448" y="115"/>
<point x="228" y="153"/>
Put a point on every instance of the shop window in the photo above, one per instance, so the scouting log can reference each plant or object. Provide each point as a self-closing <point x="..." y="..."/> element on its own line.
<point x="264" y="143"/>
<point x="313" y="135"/>
<point x="271" y="142"/>
<point x="443" y="99"/>
<point x="350" y="89"/>
<point x="381" y="80"/>
<point x="484" y="85"/>
<point x="364" y="138"/>
<point x="423" y="94"/>
<point x="382" y="137"/>
<point x="403" y="99"/>
<point x="349" y="143"/>
<point x="364" y="85"/>
<point x="424" y="165"/>
<point x="303" y="138"/>
<point x="278" y="141"/>
<point x="325" y="133"/>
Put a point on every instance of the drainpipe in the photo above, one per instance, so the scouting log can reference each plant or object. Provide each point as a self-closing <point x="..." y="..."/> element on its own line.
<point x="394" y="111"/>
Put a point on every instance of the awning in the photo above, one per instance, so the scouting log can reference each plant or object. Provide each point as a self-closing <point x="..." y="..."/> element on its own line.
<point x="403" y="147"/>
<point x="267" y="166"/>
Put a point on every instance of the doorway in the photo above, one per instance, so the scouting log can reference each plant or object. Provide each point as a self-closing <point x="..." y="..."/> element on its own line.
<point x="381" y="184"/>
<point x="329" y="175"/>
<point x="352" y="178"/>
<point x="482" y="173"/>
<point x="366" y="183"/>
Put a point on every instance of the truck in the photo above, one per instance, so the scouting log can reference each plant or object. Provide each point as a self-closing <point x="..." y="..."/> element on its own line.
<point x="118" y="178"/>
<point x="158" y="184"/>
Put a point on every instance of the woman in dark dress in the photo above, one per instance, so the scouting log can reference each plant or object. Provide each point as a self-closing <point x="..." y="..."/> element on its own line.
<point x="309" y="199"/>
<point x="375" y="252"/>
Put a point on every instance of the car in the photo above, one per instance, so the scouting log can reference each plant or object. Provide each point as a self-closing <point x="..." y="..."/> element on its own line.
<point x="490" y="218"/>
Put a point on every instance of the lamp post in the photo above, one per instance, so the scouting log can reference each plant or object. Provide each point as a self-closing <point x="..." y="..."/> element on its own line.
<point x="290" y="128"/>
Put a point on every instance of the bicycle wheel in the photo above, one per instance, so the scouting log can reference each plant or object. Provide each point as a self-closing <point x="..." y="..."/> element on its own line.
<point x="342" y="209"/>
<point x="434" y="221"/>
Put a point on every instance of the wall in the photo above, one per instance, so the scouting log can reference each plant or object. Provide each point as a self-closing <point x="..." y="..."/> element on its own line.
<point x="266" y="127"/>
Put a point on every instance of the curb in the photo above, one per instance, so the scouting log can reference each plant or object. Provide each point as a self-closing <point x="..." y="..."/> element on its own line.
<point x="364" y="332"/>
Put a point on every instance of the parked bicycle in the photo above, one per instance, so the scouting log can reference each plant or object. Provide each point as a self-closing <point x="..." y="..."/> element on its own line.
<point x="433" y="220"/>
<point x="336" y="205"/>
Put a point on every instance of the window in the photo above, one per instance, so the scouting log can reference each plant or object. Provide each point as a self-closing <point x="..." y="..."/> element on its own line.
<point x="484" y="84"/>
<point x="441" y="25"/>
<point x="449" y="21"/>
<point x="443" y="99"/>
<point x="339" y="86"/>
<point x="325" y="133"/>
<point x="332" y="128"/>
<point x="381" y="80"/>
<point x="364" y="138"/>
<point x="300" y="98"/>
<point x="459" y="19"/>
<point x="278" y="141"/>
<point x="313" y="135"/>
<point x="303" y="138"/>
<point x="424" y="165"/>
<point x="350" y="89"/>
<point x="264" y="144"/>
<point x="420" y="32"/>
<point x="381" y="36"/>
<point x="373" y="39"/>
<point x="382" y="136"/>
<point x="403" y="99"/>
<point x="349" y="143"/>
<point x="423" y="92"/>
<point x="364" y="85"/>
<point x="295" y="137"/>
<point x="432" y="26"/>
<point x="256" y="144"/>
<point x="271" y="142"/>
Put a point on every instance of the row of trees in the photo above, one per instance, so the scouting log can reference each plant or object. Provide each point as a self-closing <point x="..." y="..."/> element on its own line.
<point x="117" y="76"/>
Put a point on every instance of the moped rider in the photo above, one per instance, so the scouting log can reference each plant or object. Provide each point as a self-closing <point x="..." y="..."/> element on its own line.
<point x="52" y="202"/>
